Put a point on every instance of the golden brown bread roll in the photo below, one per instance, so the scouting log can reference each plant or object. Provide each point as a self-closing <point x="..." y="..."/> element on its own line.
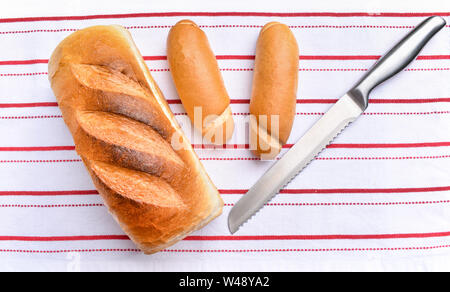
<point x="122" y="128"/>
<point x="274" y="93"/>
<point x="199" y="82"/>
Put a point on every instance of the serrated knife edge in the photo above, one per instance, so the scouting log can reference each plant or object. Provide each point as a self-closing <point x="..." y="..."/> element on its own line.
<point x="299" y="156"/>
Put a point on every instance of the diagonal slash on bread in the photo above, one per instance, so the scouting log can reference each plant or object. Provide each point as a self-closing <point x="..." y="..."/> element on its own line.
<point x="122" y="128"/>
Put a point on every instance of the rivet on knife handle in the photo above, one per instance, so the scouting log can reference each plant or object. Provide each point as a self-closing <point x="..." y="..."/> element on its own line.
<point x="346" y="110"/>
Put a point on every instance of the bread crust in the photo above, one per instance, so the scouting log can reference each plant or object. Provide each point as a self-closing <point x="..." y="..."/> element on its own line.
<point x="198" y="79"/>
<point x="275" y="83"/>
<point x="122" y="128"/>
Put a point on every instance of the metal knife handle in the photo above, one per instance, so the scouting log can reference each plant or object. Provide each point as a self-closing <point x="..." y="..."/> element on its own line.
<point x="396" y="59"/>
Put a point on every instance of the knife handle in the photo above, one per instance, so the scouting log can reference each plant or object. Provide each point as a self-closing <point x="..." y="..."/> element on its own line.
<point x="396" y="59"/>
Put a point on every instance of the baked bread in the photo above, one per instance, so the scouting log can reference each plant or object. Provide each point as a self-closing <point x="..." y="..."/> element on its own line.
<point x="139" y="159"/>
<point x="199" y="82"/>
<point x="274" y="93"/>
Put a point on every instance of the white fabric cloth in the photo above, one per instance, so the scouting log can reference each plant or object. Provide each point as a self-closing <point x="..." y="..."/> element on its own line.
<point x="378" y="199"/>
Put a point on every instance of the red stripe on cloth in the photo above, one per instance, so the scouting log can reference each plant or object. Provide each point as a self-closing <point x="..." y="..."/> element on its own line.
<point x="315" y="69"/>
<point x="384" y="157"/>
<point x="372" y="100"/>
<point x="218" y="57"/>
<point x="394" y="113"/>
<point x="251" y="69"/>
<point x="368" y="57"/>
<point x="433" y="57"/>
<point x="41" y="161"/>
<point x="367" y="191"/>
<point x="320" y="114"/>
<point x="337" y="158"/>
<point x="410" y="100"/>
<point x="30" y="117"/>
<point x="328" y="101"/>
<point x="299" y="114"/>
<point x="365" y="158"/>
<point x="388" y="145"/>
<point x="330" y="69"/>
<point x="319" y="237"/>
<point x="30" y="74"/>
<point x="337" y="145"/>
<point x="235" y="57"/>
<point x="50" y="206"/>
<point x="305" y="250"/>
<point x="154" y="58"/>
<point x="28" y="251"/>
<point x="175" y="101"/>
<point x="38" y="30"/>
<point x="250" y="57"/>
<point x="217" y="14"/>
<point x="352" y="204"/>
<point x="24" y="62"/>
<point x="226" y="146"/>
<point x="38" y="148"/>
<point x="311" y="57"/>
<point x="346" y="191"/>
<point x="218" y="26"/>
<point x="243" y="191"/>
<point x="31" y="104"/>
<point x="49" y="193"/>
<point x="247" y="114"/>
<point x="341" y="58"/>
<point x="64" y="238"/>
<point x="327" y="250"/>
<point x="247" y="146"/>
<point x="233" y="237"/>
<point x="247" y="101"/>
<point x="323" y="204"/>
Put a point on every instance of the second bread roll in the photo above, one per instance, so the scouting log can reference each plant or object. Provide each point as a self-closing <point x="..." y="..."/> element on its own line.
<point x="198" y="81"/>
<point x="274" y="93"/>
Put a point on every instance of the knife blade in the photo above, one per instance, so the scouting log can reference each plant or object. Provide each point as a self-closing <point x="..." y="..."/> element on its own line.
<point x="346" y="110"/>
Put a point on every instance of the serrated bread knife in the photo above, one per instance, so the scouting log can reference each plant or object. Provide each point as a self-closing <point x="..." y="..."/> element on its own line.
<point x="346" y="110"/>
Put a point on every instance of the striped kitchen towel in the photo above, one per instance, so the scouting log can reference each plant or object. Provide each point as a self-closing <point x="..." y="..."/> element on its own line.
<point x="378" y="198"/>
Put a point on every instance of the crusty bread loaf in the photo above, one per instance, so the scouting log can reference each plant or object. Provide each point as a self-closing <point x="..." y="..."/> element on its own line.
<point x="122" y="128"/>
<point x="198" y="81"/>
<point x="274" y="92"/>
